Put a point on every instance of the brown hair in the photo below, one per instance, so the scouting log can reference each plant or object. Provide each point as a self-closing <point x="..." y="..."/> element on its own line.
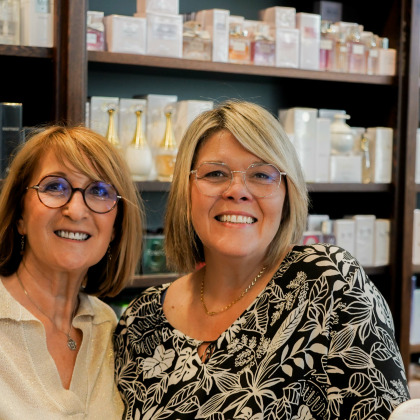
<point x="92" y="155"/>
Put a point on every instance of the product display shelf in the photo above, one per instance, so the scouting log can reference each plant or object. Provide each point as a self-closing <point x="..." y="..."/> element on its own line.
<point x="23" y="51"/>
<point x="243" y="69"/>
<point x="147" y="280"/>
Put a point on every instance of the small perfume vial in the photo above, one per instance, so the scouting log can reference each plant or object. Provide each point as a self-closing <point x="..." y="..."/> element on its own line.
<point x="95" y="39"/>
<point x="263" y="46"/>
<point x="9" y="22"/>
<point x="196" y="43"/>
<point x="356" y="49"/>
<point x="239" y="44"/>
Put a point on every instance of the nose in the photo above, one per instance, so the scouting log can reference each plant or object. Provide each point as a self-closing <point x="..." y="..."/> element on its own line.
<point x="76" y="207"/>
<point x="237" y="189"/>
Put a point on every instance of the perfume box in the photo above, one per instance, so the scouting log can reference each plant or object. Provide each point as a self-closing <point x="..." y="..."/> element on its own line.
<point x="329" y="10"/>
<point x="416" y="237"/>
<point x="417" y="171"/>
<point x="170" y="7"/>
<point x="323" y="150"/>
<point x="287" y="46"/>
<point x="415" y="317"/>
<point x="382" y="242"/>
<point x="381" y="143"/>
<point x="216" y="23"/>
<point x="164" y="35"/>
<point x="95" y="31"/>
<point x="346" y="168"/>
<point x="344" y="232"/>
<point x="300" y="125"/>
<point x="125" y="34"/>
<point x="309" y="25"/>
<point x="185" y="112"/>
<point x="279" y="16"/>
<point x="99" y="117"/>
<point x="364" y="238"/>
<point x="11" y="133"/>
<point x="37" y="23"/>
<point x="155" y="116"/>
<point x="314" y="221"/>
<point x="387" y="62"/>
<point x="154" y="258"/>
<point x="127" y="118"/>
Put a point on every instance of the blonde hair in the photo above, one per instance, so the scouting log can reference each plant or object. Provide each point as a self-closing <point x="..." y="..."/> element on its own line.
<point x="92" y="155"/>
<point x="259" y="132"/>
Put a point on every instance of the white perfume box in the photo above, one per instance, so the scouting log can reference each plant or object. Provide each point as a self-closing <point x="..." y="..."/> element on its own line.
<point x="164" y="35"/>
<point x="344" y="232"/>
<point x="382" y="242"/>
<point x="381" y="153"/>
<point x="300" y="125"/>
<point x="37" y="23"/>
<point x="387" y="62"/>
<point x="170" y="7"/>
<point x="314" y="221"/>
<point x="346" y="168"/>
<point x="417" y="171"/>
<point x="309" y="25"/>
<point x="416" y="237"/>
<point x="287" y="46"/>
<point x="415" y="317"/>
<point x="216" y="23"/>
<point x="185" y="112"/>
<point x="364" y="238"/>
<point x="125" y="34"/>
<point x="99" y="117"/>
<point x="323" y="150"/>
<point x="127" y="119"/>
<point x="155" y="117"/>
<point x="279" y="16"/>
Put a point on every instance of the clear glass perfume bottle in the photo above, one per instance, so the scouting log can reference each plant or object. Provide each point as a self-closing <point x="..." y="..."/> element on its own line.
<point x="327" y="44"/>
<point x="138" y="153"/>
<point x="9" y="22"/>
<point x="111" y="132"/>
<point x="167" y="151"/>
<point x="239" y="45"/>
<point x="196" y="43"/>
<point x="372" y="52"/>
<point x="356" y="49"/>
<point x="263" y="46"/>
<point x="341" y="56"/>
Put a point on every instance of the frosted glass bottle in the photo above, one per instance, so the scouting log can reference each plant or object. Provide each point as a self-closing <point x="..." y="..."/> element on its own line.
<point x="138" y="154"/>
<point x="111" y="133"/>
<point x="166" y="153"/>
<point x="342" y="139"/>
<point x="356" y="51"/>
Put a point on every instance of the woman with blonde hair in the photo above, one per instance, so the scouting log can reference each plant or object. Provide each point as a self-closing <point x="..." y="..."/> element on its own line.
<point x="71" y="224"/>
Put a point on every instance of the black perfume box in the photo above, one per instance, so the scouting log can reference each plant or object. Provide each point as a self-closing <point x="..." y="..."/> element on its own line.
<point x="11" y="133"/>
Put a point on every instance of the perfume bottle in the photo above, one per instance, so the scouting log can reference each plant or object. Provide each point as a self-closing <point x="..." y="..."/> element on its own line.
<point x="111" y="132"/>
<point x="341" y="56"/>
<point x="356" y="51"/>
<point x="342" y="139"/>
<point x="9" y="22"/>
<point x="372" y="52"/>
<point x="167" y="151"/>
<point x="327" y="43"/>
<point x="138" y="154"/>
<point x="366" y="164"/>
<point x="239" y="44"/>
<point x="263" y="46"/>
<point x="196" y="43"/>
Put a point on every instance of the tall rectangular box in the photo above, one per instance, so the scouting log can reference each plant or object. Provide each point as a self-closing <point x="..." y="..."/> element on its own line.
<point x="287" y="46"/>
<point x="364" y="235"/>
<point x="300" y="125"/>
<point x="125" y="34"/>
<point x="382" y="242"/>
<point x="37" y="23"/>
<point x="381" y="143"/>
<point x="11" y="133"/>
<point x="323" y="150"/>
<point x="417" y="171"/>
<point x="170" y="7"/>
<point x="415" y="317"/>
<point x="216" y="22"/>
<point x="344" y="232"/>
<point x="309" y="25"/>
<point x="279" y="16"/>
<point x="329" y="10"/>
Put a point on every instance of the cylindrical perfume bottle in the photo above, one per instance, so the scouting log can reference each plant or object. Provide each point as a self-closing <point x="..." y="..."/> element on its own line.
<point x="167" y="151"/>
<point x="111" y="133"/>
<point x="372" y="52"/>
<point x="356" y="48"/>
<point x="327" y="44"/>
<point x="138" y="154"/>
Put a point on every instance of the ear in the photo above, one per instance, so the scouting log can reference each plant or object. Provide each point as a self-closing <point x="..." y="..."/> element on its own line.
<point x="21" y="227"/>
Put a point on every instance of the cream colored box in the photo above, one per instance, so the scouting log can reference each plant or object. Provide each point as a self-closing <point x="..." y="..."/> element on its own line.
<point x="287" y="46"/>
<point x="279" y="16"/>
<point x="382" y="242"/>
<point x="381" y="143"/>
<point x="170" y="7"/>
<point x="344" y="232"/>
<point x="309" y="25"/>
<point x="364" y="238"/>
<point x="37" y="23"/>
<point x="346" y="168"/>
<point x="323" y="150"/>
<point x="125" y="34"/>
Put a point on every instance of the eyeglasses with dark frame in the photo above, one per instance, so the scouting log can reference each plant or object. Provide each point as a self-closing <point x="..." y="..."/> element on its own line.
<point x="214" y="178"/>
<point x="55" y="192"/>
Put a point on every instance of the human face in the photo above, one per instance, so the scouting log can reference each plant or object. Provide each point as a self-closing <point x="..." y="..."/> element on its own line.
<point x="211" y="216"/>
<point x="71" y="238"/>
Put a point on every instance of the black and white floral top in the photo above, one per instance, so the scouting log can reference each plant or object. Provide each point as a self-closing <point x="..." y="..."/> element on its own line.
<point x="317" y="343"/>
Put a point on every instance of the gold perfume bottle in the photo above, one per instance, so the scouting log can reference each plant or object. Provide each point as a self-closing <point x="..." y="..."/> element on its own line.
<point x="138" y="154"/>
<point x="167" y="151"/>
<point x="111" y="133"/>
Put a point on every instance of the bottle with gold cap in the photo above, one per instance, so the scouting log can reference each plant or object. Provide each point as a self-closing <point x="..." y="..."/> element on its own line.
<point x="167" y="151"/>
<point x="138" y="154"/>
<point x="111" y="132"/>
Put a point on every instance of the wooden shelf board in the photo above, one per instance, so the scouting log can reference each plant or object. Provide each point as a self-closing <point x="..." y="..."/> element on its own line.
<point x="24" y="51"/>
<point x="148" y="280"/>
<point x="244" y="69"/>
<point x="414" y="348"/>
<point x="348" y="187"/>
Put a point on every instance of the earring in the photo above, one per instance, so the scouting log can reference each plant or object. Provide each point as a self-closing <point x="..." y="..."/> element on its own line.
<point x="22" y="244"/>
<point x="109" y="253"/>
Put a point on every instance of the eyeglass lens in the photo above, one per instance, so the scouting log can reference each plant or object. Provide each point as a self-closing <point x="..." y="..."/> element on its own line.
<point x="56" y="192"/>
<point x="214" y="179"/>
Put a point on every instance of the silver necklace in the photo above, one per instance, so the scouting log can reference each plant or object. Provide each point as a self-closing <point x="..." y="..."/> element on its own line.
<point x="71" y="344"/>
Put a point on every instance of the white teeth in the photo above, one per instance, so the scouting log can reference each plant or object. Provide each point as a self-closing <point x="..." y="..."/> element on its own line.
<point x="72" y="235"/>
<point x="231" y="218"/>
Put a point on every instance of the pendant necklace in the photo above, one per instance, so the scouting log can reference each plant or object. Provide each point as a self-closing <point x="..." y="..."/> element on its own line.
<point x="248" y="288"/>
<point x="71" y="344"/>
